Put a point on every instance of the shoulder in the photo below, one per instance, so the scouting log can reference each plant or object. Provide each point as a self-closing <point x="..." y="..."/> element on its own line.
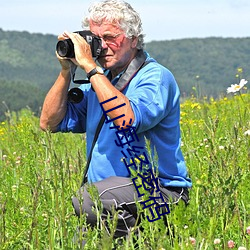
<point x="154" y="71"/>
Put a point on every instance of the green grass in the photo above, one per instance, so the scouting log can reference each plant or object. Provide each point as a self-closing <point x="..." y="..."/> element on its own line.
<point x="40" y="172"/>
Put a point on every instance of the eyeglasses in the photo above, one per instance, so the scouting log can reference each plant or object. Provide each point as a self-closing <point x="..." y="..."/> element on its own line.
<point x="110" y="38"/>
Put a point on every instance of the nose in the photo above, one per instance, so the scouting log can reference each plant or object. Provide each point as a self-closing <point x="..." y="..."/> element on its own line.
<point x="104" y="44"/>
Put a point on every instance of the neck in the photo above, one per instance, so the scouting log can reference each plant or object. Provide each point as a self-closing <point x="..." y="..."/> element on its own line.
<point x="117" y="71"/>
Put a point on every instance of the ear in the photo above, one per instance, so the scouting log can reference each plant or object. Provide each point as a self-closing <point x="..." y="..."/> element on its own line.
<point x="134" y="42"/>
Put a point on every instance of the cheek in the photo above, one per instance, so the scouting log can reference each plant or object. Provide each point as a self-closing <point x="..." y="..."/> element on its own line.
<point x="119" y="43"/>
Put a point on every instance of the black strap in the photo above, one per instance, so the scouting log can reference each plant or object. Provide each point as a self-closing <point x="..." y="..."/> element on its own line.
<point x="97" y="132"/>
<point x="136" y="64"/>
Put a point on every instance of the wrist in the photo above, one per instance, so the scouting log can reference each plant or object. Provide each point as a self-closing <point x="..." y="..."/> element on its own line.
<point x="97" y="70"/>
<point x="65" y="73"/>
<point x="89" y="67"/>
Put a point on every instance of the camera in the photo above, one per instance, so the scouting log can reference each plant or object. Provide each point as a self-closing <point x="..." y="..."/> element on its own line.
<point x="65" y="48"/>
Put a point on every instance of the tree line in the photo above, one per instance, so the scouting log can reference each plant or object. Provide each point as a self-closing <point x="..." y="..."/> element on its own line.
<point x="202" y="67"/>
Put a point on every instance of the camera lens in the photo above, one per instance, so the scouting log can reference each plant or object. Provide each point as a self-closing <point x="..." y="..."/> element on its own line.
<point x="75" y="95"/>
<point x="65" y="48"/>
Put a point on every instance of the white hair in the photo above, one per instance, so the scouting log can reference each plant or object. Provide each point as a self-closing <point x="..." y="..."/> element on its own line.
<point x="120" y="13"/>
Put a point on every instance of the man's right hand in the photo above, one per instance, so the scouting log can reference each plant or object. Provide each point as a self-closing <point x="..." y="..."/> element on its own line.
<point x="66" y="63"/>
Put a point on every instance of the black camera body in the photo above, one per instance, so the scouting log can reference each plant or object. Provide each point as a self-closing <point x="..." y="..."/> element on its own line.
<point x="65" y="48"/>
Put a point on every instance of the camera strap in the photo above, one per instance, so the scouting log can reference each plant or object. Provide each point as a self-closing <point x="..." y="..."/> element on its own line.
<point x="136" y="64"/>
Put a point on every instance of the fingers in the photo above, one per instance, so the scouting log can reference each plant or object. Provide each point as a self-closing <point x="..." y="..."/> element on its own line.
<point x="63" y="36"/>
<point x="70" y="35"/>
<point x="65" y="61"/>
<point x="67" y="35"/>
<point x="81" y="48"/>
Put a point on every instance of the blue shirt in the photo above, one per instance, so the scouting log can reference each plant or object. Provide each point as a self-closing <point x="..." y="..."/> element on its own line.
<point x="154" y="97"/>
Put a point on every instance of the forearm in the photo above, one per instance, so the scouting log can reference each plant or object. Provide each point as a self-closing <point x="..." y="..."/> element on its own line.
<point x="55" y="103"/>
<point x="104" y="91"/>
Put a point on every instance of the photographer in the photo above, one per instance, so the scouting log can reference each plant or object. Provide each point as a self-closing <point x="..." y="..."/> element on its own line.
<point x="148" y="101"/>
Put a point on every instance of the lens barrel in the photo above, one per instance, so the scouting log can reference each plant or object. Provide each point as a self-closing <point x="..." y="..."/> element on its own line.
<point x="65" y="48"/>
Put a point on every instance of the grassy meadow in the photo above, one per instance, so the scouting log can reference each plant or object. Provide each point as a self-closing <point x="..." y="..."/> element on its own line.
<point x="40" y="172"/>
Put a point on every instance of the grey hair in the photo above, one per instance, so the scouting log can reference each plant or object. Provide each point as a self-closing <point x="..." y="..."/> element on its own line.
<point x="120" y="13"/>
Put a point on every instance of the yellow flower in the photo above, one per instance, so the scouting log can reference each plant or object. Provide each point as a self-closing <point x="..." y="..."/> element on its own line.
<point x="195" y="105"/>
<point x="240" y="70"/>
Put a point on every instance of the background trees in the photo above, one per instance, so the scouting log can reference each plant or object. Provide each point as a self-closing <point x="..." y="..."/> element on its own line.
<point x="202" y="67"/>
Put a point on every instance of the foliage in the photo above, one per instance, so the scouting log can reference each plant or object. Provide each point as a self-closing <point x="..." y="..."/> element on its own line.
<point x="206" y="64"/>
<point x="28" y="68"/>
<point x="41" y="171"/>
<point x="14" y="95"/>
<point x="28" y="58"/>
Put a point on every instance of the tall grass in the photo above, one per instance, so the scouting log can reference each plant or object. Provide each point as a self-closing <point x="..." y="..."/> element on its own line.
<point x="40" y="172"/>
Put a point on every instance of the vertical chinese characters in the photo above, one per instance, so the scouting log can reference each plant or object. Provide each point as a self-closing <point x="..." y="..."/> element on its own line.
<point x="145" y="179"/>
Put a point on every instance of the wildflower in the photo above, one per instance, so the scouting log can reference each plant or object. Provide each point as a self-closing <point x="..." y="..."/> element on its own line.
<point x="192" y="240"/>
<point x="14" y="188"/>
<point x="248" y="230"/>
<point x="242" y="248"/>
<point x="237" y="87"/>
<point x="221" y="147"/>
<point x="240" y="70"/>
<point x="230" y="244"/>
<point x="45" y="216"/>
<point x="216" y="241"/>
<point x="195" y="106"/>
<point x="247" y="133"/>
<point x="198" y="182"/>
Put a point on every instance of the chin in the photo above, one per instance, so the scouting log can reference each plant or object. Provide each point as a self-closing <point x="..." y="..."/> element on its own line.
<point x="105" y="64"/>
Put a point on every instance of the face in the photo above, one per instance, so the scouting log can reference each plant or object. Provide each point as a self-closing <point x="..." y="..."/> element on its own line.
<point x="118" y="50"/>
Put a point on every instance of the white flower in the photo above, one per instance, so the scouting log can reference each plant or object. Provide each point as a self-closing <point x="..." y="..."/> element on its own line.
<point x="246" y="133"/>
<point x="221" y="147"/>
<point x="242" y="248"/>
<point x="217" y="241"/>
<point x="192" y="240"/>
<point x="237" y="87"/>
<point x="248" y="230"/>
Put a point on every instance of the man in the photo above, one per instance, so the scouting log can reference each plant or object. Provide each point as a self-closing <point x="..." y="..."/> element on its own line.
<point x="135" y="93"/>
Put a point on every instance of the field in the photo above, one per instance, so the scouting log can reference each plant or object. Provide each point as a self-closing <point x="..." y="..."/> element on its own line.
<point x="40" y="172"/>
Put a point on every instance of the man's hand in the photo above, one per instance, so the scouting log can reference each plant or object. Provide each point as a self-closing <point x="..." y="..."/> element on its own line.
<point x="83" y="54"/>
<point x="66" y="63"/>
